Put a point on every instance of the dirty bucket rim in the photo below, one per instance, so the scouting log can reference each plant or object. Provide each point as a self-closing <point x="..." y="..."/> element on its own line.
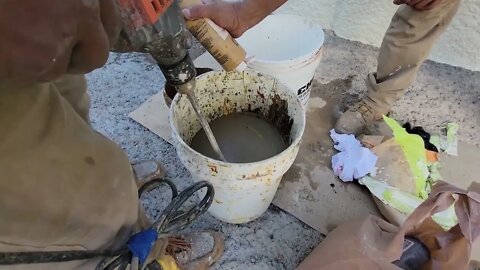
<point x="293" y="143"/>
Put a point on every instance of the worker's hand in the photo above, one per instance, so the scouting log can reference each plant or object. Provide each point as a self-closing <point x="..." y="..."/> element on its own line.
<point x="229" y="16"/>
<point x="419" y="4"/>
<point x="235" y="17"/>
<point x="43" y="39"/>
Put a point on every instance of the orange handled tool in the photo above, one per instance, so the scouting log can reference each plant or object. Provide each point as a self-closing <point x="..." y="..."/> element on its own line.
<point x="139" y="13"/>
<point x="152" y="9"/>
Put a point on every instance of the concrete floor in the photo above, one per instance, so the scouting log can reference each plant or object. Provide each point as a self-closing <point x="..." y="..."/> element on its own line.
<point x="276" y="240"/>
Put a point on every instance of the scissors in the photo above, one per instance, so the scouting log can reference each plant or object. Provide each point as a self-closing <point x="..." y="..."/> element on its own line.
<point x="176" y="216"/>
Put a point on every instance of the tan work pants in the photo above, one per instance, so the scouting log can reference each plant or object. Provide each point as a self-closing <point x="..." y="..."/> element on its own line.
<point x="406" y="45"/>
<point x="63" y="186"/>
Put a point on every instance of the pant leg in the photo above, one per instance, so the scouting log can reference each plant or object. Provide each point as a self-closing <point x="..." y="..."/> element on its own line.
<point x="63" y="186"/>
<point x="406" y="45"/>
<point x="73" y="88"/>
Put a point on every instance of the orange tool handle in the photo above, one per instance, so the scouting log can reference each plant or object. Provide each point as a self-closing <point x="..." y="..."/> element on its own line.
<point x="152" y="9"/>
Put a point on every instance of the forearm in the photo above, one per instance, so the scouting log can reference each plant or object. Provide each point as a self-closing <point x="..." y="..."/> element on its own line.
<point x="254" y="11"/>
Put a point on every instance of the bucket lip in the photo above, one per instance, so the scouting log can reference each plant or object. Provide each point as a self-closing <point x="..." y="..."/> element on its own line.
<point x="248" y="164"/>
<point x="282" y="65"/>
<point x="300" y="59"/>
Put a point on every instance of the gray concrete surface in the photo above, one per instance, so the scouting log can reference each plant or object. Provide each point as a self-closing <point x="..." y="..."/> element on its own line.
<point x="276" y="240"/>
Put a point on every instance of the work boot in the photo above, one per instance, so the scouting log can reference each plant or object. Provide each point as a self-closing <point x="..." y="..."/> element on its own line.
<point x="357" y="117"/>
<point x="191" y="251"/>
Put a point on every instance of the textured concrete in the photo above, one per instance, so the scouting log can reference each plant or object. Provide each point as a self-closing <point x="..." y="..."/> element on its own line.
<point x="276" y="240"/>
<point x="366" y="21"/>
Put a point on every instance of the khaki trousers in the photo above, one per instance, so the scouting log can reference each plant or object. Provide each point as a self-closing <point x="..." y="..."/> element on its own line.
<point x="63" y="186"/>
<point x="406" y="45"/>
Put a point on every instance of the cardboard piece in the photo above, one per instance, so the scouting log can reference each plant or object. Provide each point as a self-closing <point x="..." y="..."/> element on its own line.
<point x="461" y="170"/>
<point x="309" y="190"/>
<point x="153" y="114"/>
<point x="370" y="141"/>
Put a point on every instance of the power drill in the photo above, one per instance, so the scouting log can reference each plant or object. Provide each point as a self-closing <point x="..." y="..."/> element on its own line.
<point x="158" y="27"/>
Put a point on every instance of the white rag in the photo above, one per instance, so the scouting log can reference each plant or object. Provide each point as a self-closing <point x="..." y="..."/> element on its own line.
<point x="353" y="161"/>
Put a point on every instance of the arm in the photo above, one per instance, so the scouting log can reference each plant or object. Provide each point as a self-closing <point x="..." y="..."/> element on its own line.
<point x="235" y="17"/>
<point x="43" y="39"/>
<point x="419" y="4"/>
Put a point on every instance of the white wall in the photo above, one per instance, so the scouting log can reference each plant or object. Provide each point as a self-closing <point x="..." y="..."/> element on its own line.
<point x="367" y="20"/>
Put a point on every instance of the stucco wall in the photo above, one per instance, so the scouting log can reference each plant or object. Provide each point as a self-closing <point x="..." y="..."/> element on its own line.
<point x="367" y="20"/>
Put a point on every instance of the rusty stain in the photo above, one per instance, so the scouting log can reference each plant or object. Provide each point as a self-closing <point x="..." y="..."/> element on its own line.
<point x="227" y="107"/>
<point x="257" y="175"/>
<point x="213" y="168"/>
<point x="261" y="94"/>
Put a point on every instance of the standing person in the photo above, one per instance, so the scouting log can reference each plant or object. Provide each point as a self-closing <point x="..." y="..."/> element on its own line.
<point x="413" y="31"/>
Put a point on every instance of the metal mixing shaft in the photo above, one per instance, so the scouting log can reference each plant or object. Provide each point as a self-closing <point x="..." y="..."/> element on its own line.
<point x="167" y="40"/>
<point x="203" y="121"/>
<point x="182" y="76"/>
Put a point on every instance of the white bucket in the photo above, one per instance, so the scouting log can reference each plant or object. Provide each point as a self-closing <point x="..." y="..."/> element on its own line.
<point x="287" y="47"/>
<point x="243" y="191"/>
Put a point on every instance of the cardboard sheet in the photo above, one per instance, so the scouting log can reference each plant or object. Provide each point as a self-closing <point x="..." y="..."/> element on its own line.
<point x="463" y="170"/>
<point x="309" y="190"/>
<point x="153" y="114"/>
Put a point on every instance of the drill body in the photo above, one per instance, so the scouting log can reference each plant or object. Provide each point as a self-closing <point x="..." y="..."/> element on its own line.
<point x="158" y="27"/>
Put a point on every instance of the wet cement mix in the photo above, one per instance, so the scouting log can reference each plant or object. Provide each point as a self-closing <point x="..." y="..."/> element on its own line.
<point x="248" y="136"/>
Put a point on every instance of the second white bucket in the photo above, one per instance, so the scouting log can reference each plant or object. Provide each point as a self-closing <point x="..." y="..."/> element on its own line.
<point x="287" y="47"/>
<point x="243" y="191"/>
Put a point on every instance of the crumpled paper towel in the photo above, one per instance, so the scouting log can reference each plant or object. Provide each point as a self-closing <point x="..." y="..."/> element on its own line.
<point x="353" y="161"/>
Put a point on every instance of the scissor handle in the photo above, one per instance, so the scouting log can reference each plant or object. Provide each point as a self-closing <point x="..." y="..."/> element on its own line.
<point x="156" y="183"/>
<point x="173" y="218"/>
